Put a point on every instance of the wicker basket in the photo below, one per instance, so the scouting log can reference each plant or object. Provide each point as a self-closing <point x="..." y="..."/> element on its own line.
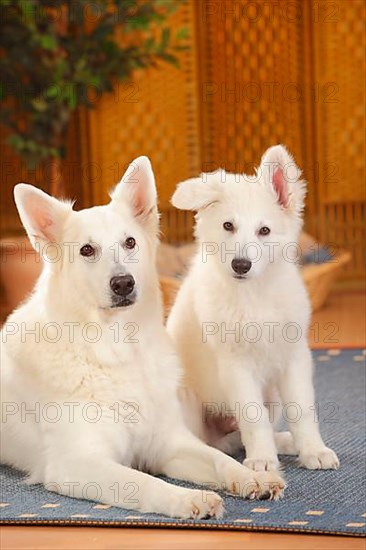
<point x="318" y="279"/>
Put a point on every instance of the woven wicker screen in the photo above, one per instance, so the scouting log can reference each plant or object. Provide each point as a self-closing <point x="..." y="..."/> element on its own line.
<point x="293" y="73"/>
<point x="154" y="114"/>
<point x="252" y="81"/>
<point x="13" y="171"/>
<point x="257" y="73"/>
<point x="339" y="136"/>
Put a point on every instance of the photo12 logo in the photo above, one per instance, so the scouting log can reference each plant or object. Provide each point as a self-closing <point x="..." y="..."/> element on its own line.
<point x="269" y="12"/>
<point x="53" y="252"/>
<point x="70" y="332"/>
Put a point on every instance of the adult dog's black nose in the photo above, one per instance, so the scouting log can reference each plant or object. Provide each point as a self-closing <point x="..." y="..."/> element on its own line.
<point x="241" y="266"/>
<point x="122" y="285"/>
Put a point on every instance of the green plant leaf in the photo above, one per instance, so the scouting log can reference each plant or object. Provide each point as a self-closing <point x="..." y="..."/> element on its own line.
<point x="165" y="37"/>
<point x="170" y="58"/>
<point x="182" y="34"/>
<point x="48" y="42"/>
<point x="52" y="92"/>
<point x="55" y="61"/>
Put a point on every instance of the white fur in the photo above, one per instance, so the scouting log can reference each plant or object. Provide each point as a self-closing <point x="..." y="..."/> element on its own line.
<point x="104" y="412"/>
<point x="259" y="361"/>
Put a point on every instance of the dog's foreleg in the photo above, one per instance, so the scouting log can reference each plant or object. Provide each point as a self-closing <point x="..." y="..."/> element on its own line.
<point x="297" y="393"/>
<point x="244" y="398"/>
<point x="108" y="482"/>
<point x="192" y="460"/>
<point x="231" y="443"/>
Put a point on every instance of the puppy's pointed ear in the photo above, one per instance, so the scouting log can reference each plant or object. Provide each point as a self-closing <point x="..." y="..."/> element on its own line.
<point x="43" y="216"/>
<point x="137" y="188"/>
<point x="195" y="193"/>
<point x="280" y="173"/>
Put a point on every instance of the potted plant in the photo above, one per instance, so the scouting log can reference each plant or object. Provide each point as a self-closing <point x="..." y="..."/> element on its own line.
<point x="55" y="55"/>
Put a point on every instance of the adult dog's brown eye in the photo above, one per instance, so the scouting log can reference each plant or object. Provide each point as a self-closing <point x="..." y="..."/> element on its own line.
<point x="264" y="230"/>
<point x="228" y="226"/>
<point x="87" y="250"/>
<point x="130" y="243"/>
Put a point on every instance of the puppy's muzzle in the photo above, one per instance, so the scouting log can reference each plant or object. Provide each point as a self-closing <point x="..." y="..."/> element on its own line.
<point x="241" y="266"/>
<point x="122" y="285"/>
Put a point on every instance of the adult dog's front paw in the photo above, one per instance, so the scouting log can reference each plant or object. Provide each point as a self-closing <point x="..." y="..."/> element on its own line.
<point x="270" y="485"/>
<point x="200" y="505"/>
<point x="319" y="459"/>
<point x="262" y="464"/>
<point x="249" y="484"/>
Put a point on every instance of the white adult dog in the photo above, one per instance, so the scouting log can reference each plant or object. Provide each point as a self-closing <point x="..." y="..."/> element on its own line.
<point x="89" y="376"/>
<point x="241" y="317"/>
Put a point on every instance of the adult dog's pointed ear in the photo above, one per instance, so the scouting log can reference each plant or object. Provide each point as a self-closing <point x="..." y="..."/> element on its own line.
<point x="196" y="193"/>
<point x="43" y="216"/>
<point x="137" y="189"/>
<point x="279" y="171"/>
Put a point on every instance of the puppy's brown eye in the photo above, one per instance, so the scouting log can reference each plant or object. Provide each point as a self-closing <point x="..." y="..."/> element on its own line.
<point x="228" y="226"/>
<point x="130" y="243"/>
<point x="264" y="231"/>
<point x="87" y="250"/>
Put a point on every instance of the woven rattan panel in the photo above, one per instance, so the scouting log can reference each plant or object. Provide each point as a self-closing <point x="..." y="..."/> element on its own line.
<point x="257" y="73"/>
<point x="339" y="54"/>
<point x="292" y="73"/>
<point x="13" y="171"/>
<point x="154" y="114"/>
<point x="252" y="81"/>
<point x="339" y="43"/>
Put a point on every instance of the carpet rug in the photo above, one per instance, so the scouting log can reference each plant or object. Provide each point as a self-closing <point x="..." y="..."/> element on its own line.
<point x="331" y="502"/>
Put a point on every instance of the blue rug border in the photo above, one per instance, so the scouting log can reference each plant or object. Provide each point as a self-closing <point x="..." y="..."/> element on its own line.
<point x="179" y="524"/>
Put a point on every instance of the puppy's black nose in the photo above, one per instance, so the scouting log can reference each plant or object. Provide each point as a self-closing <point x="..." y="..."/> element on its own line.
<point x="122" y="285"/>
<point x="241" y="265"/>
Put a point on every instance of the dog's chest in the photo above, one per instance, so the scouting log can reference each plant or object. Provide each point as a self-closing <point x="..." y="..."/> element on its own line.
<point x="133" y="388"/>
<point x="262" y="322"/>
<point x="248" y="312"/>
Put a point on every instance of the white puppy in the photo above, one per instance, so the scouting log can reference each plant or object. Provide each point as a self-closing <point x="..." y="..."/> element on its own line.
<point x="89" y="377"/>
<point x="241" y="317"/>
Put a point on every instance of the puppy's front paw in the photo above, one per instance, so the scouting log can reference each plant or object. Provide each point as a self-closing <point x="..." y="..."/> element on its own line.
<point x="201" y="504"/>
<point x="320" y="459"/>
<point x="262" y="464"/>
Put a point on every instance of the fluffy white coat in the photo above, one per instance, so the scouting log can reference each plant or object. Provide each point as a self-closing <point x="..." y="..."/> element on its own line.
<point x="241" y="317"/>
<point x="89" y="378"/>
